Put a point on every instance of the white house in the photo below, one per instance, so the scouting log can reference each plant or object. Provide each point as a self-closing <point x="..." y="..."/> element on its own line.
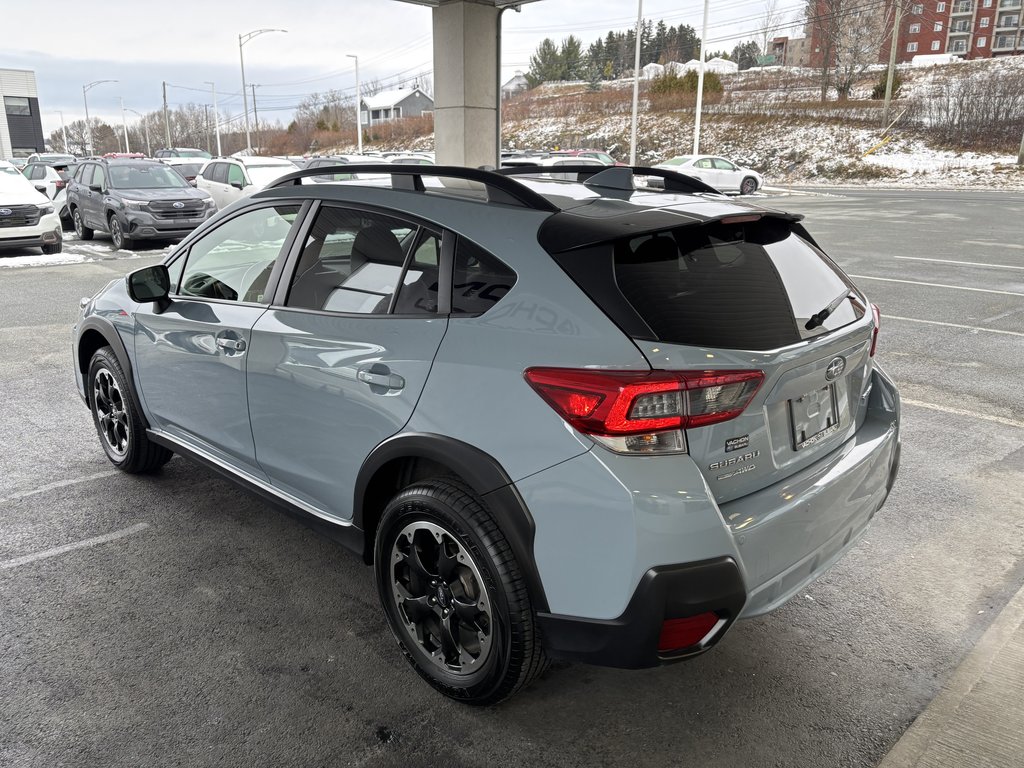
<point x="515" y="85"/>
<point x="648" y="71"/>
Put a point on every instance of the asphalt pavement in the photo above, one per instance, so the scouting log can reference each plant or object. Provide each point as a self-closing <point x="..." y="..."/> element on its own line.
<point x="175" y="620"/>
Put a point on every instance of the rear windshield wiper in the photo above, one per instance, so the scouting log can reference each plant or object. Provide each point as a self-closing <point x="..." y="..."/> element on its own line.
<point x="820" y="317"/>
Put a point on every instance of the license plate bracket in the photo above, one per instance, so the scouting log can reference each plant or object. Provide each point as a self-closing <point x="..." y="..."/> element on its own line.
<point x="814" y="416"/>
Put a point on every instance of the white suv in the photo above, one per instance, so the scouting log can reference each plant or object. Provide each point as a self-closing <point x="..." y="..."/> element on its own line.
<point x="228" y="179"/>
<point x="27" y="217"/>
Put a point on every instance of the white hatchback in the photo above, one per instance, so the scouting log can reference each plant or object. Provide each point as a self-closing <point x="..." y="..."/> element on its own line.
<point x="228" y="179"/>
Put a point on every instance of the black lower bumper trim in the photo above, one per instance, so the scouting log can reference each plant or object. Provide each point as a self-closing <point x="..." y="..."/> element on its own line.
<point x="664" y="592"/>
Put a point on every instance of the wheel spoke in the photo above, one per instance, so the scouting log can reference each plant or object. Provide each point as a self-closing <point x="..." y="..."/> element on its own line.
<point x="468" y="614"/>
<point x="449" y="645"/>
<point x="447" y="564"/>
<point x="416" y="564"/>
<point x="416" y="608"/>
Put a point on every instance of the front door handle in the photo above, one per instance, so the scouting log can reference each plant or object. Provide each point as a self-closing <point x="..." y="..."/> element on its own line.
<point x="379" y="375"/>
<point x="233" y="345"/>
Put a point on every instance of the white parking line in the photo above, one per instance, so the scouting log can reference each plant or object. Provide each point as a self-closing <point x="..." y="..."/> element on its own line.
<point x="950" y="261"/>
<point x="59" y="484"/>
<point x="936" y="285"/>
<point x="952" y="325"/>
<point x="83" y="544"/>
<point x="993" y="244"/>
<point x="961" y="412"/>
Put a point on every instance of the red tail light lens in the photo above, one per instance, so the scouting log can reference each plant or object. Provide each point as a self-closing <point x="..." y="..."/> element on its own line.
<point x="639" y="405"/>
<point x="60" y="184"/>
<point x="877" y="317"/>
<point x="677" y="634"/>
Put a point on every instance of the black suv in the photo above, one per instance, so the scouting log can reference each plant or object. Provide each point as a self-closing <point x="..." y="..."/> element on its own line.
<point x="134" y="200"/>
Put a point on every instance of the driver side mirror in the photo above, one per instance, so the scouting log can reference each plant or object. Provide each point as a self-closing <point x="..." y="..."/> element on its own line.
<point x="150" y="284"/>
<point x="237" y="184"/>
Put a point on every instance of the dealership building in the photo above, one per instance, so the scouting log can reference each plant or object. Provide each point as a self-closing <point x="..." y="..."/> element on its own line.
<point x="21" y="129"/>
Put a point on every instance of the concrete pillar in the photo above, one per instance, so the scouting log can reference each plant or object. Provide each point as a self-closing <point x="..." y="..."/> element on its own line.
<point x="466" y="83"/>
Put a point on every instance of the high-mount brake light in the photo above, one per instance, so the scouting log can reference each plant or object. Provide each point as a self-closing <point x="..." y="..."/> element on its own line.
<point x="744" y="219"/>
<point x="876" y="315"/>
<point x="644" y="411"/>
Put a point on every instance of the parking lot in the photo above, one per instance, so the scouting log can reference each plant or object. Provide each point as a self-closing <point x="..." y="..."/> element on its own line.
<point x="195" y="625"/>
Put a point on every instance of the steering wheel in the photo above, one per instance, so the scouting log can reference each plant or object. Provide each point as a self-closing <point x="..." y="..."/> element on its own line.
<point x="201" y="284"/>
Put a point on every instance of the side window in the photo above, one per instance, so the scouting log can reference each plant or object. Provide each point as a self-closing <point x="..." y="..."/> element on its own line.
<point x="480" y="280"/>
<point x="218" y="172"/>
<point x="234" y="261"/>
<point x="84" y="174"/>
<point x="99" y="177"/>
<point x="235" y="175"/>
<point x="705" y="163"/>
<point x="358" y="263"/>
<point x="723" y="165"/>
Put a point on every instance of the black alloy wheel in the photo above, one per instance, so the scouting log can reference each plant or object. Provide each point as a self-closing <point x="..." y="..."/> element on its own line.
<point x="453" y="594"/>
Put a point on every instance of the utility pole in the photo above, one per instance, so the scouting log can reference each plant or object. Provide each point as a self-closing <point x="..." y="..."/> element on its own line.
<point x="636" y="80"/>
<point x="167" y="123"/>
<point x="700" y="82"/>
<point x="216" y="115"/>
<point x="892" y="61"/>
<point x="124" y="124"/>
<point x="1020" y="155"/>
<point x="359" y="106"/>
<point x="206" y="119"/>
<point x="255" y="116"/>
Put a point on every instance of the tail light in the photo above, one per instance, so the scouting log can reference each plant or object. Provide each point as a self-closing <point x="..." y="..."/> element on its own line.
<point x="60" y="184"/>
<point x="876" y="315"/>
<point x="644" y="411"/>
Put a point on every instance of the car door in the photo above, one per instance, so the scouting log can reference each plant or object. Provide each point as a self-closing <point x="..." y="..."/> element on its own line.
<point x="92" y="204"/>
<point x="191" y="356"/>
<point x="207" y="181"/>
<point x="729" y="175"/>
<point x="704" y="171"/>
<point x="236" y="183"/>
<point x="340" y="359"/>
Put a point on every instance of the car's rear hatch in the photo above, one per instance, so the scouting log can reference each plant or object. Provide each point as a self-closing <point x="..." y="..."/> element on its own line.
<point x="743" y="292"/>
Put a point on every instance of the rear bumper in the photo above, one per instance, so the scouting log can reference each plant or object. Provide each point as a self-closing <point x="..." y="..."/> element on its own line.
<point x="624" y="543"/>
<point x="665" y="592"/>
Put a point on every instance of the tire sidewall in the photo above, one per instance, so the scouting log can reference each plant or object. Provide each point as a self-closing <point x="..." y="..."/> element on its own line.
<point x="743" y="185"/>
<point x="78" y="224"/>
<point x="414" y="505"/>
<point x="116" y="233"/>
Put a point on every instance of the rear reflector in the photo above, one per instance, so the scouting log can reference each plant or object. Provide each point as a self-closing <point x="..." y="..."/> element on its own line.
<point x="632" y="411"/>
<point x="679" y="634"/>
<point x="876" y="315"/>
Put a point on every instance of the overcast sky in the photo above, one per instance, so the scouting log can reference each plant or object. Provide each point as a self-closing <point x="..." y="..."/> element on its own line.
<point x="141" y="44"/>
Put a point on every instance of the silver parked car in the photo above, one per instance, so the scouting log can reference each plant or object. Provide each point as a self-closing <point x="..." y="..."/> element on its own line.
<point x="562" y="418"/>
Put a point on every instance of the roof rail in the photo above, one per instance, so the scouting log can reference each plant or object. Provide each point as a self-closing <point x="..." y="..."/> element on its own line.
<point x="410" y="177"/>
<point x="617" y="177"/>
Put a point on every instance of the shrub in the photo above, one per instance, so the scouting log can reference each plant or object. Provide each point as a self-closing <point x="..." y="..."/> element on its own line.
<point x="879" y="89"/>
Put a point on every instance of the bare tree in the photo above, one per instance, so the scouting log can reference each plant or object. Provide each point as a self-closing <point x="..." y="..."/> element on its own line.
<point x="770" y="21"/>
<point x="857" y="43"/>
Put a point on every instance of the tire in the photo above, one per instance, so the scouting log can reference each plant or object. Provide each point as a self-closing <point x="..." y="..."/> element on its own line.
<point x="117" y="236"/>
<point x="54" y="248"/>
<point x="441" y="561"/>
<point x="82" y="231"/>
<point x="748" y="186"/>
<point x="119" y="424"/>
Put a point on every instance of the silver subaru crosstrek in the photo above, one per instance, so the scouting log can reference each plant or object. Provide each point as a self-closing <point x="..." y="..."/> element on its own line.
<point x="577" y="417"/>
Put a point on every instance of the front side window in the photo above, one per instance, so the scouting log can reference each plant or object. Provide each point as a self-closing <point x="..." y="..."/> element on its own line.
<point x="724" y="165"/>
<point x="234" y="261"/>
<point x="17" y="105"/>
<point x="356" y="262"/>
<point x="235" y="175"/>
<point x="99" y="177"/>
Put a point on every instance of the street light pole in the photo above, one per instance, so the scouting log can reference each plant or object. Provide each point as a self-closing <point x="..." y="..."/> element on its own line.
<point x="892" y="62"/>
<point x="124" y="124"/>
<point x="167" y="122"/>
<point x="359" y="107"/>
<point x="242" y="40"/>
<point x="700" y="82"/>
<point x="216" y="115"/>
<point x="88" y="130"/>
<point x="255" y="114"/>
<point x="145" y="131"/>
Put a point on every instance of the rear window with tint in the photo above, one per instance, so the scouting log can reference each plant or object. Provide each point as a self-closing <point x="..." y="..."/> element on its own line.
<point x="752" y="285"/>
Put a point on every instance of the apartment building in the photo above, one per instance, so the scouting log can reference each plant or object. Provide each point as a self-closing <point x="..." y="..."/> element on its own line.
<point x="971" y="29"/>
<point x="21" y="129"/>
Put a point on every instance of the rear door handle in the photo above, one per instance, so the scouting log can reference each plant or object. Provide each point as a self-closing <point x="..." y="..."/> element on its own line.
<point x="234" y="345"/>
<point x="380" y="376"/>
